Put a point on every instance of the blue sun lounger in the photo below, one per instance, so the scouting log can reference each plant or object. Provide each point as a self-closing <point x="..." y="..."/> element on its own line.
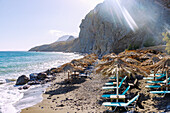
<point x="114" y="87"/>
<point x="108" y="95"/>
<point x="120" y="104"/>
<point x="114" y="77"/>
<point x="155" y="86"/>
<point x="159" y="92"/>
<point x="158" y="81"/>
<point x="162" y="75"/>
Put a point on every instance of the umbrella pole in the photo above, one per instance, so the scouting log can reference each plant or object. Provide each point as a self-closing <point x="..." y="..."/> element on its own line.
<point x="68" y="75"/>
<point x="166" y="79"/>
<point x="117" y="90"/>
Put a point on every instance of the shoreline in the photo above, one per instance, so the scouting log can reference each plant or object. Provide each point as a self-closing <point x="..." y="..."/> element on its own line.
<point x="84" y="95"/>
<point x="18" y="99"/>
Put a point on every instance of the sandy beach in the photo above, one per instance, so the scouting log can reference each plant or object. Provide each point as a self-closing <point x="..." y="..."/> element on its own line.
<point x="84" y="96"/>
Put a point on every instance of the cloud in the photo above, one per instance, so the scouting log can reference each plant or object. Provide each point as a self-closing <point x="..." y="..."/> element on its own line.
<point x="58" y="33"/>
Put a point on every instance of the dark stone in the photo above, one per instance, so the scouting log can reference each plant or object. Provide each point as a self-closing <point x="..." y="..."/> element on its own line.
<point x="22" y="80"/>
<point x="33" y="76"/>
<point x="20" y="88"/>
<point x="42" y="76"/>
<point x="61" y="105"/>
<point x="26" y="86"/>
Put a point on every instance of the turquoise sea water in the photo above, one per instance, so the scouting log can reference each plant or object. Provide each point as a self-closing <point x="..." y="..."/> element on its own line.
<point x="16" y="63"/>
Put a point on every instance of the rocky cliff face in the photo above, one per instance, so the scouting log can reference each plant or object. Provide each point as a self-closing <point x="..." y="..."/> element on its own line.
<point x="115" y="25"/>
<point x="106" y="28"/>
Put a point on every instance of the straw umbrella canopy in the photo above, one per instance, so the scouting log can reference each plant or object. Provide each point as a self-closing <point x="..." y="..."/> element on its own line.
<point x="107" y="68"/>
<point x="68" y="67"/>
<point x="163" y="65"/>
<point x="118" y="66"/>
<point x="109" y="57"/>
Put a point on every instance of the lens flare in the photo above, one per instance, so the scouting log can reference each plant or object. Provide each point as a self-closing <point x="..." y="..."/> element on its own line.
<point x="132" y="24"/>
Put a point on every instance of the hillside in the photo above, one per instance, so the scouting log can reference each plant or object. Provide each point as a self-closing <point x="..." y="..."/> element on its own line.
<point x="114" y="27"/>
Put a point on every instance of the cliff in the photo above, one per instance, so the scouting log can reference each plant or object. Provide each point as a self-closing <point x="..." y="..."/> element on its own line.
<point x="114" y="26"/>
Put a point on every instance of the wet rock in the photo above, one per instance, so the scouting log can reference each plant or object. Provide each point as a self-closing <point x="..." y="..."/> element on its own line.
<point x="33" y="82"/>
<point x="26" y="86"/>
<point x="20" y="88"/>
<point x="33" y="76"/>
<point x="42" y="76"/>
<point x="22" y="80"/>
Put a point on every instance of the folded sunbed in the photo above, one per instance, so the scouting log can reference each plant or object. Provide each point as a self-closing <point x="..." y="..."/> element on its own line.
<point x="162" y="75"/>
<point x="121" y="104"/>
<point x="115" y="77"/>
<point x="159" y="92"/>
<point x="159" y="81"/>
<point x="108" y="95"/>
<point x="154" y="86"/>
<point x="114" y="87"/>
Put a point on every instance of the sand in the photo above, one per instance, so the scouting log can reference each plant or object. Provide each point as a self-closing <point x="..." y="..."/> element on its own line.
<point x="84" y="96"/>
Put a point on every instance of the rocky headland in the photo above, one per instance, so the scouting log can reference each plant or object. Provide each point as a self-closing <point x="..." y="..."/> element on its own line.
<point x="106" y="29"/>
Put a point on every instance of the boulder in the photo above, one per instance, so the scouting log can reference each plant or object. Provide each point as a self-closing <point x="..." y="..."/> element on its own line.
<point x="22" y="80"/>
<point x="41" y="76"/>
<point x="33" y="76"/>
<point x="26" y="86"/>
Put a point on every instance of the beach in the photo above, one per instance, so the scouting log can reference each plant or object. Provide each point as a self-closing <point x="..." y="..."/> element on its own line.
<point x="16" y="63"/>
<point x="83" y="95"/>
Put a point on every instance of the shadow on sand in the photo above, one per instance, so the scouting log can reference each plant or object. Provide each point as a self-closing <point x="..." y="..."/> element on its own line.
<point x="61" y="90"/>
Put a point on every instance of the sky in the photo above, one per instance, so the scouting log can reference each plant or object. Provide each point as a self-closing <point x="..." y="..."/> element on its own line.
<point x="28" y="23"/>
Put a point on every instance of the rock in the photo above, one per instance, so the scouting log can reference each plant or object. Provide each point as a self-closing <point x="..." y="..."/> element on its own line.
<point x="168" y="108"/>
<point x="20" y="88"/>
<point x="33" y="82"/>
<point x="33" y="76"/>
<point x="26" y="86"/>
<point x="41" y="76"/>
<point x="22" y="80"/>
<point x="61" y="105"/>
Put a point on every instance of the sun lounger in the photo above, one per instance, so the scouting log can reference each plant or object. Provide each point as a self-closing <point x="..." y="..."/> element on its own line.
<point x="162" y="75"/>
<point x="115" y="77"/>
<point x="157" y="75"/>
<point x="114" y="87"/>
<point x="108" y="95"/>
<point x="159" y="92"/>
<point x="111" y="83"/>
<point x="155" y="86"/>
<point x="158" y="81"/>
<point x="121" y="104"/>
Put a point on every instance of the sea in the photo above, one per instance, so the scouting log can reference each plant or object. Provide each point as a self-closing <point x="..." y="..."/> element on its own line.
<point x="16" y="63"/>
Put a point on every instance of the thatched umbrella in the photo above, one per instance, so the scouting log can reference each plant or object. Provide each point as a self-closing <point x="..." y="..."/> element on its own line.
<point x="108" y="67"/>
<point x="67" y="67"/>
<point x="132" y="61"/>
<point x="118" y="66"/>
<point x="109" y="57"/>
<point x="163" y="65"/>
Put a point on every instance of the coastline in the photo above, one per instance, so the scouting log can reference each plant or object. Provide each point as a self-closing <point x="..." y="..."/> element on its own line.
<point x="79" y="97"/>
<point x="20" y="99"/>
<point x="84" y="95"/>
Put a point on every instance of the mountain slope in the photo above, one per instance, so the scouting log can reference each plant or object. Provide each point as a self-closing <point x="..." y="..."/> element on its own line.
<point x="115" y="26"/>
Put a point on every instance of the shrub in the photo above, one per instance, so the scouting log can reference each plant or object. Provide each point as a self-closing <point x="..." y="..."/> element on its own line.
<point x="167" y="40"/>
<point x="149" y="42"/>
